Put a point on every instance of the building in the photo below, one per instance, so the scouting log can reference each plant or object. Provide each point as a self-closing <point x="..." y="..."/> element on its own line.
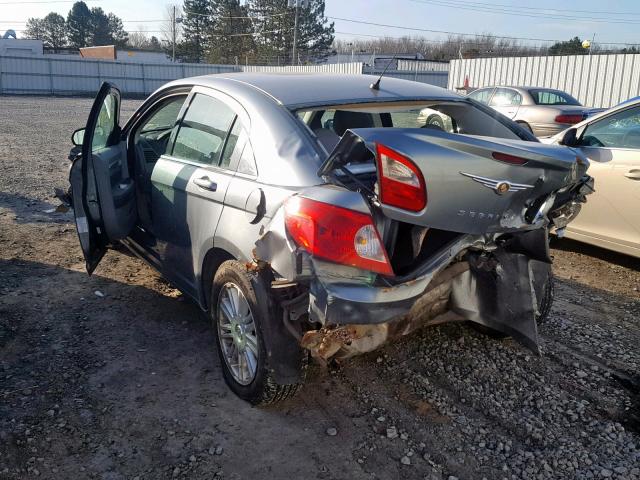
<point x="20" y="47"/>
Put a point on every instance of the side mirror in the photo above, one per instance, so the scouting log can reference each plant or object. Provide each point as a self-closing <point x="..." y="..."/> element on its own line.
<point x="570" y="139"/>
<point x="77" y="137"/>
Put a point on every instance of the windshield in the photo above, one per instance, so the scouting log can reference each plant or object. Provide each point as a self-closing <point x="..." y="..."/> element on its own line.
<point x="461" y="117"/>
<point x="552" y="97"/>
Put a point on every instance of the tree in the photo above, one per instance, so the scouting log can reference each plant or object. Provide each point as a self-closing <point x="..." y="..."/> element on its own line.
<point x="570" y="47"/>
<point x="138" y="40"/>
<point x="101" y="31"/>
<point x="34" y="29"/>
<point x="154" y="44"/>
<point x="116" y="31"/>
<point x="274" y="24"/>
<point x="231" y="34"/>
<point x="52" y="30"/>
<point x="79" y="25"/>
<point x="315" y="36"/>
<point x="197" y="22"/>
<point x="55" y="31"/>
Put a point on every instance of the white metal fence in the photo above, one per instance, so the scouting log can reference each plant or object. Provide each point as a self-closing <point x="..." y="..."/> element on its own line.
<point x="74" y="76"/>
<point x="595" y="80"/>
<point x="423" y="65"/>
<point x="439" y="79"/>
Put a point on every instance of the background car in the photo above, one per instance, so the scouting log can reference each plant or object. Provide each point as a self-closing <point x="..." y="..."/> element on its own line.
<point x="542" y="111"/>
<point x="611" y="141"/>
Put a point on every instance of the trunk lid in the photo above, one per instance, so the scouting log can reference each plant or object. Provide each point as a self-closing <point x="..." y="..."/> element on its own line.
<point x="468" y="190"/>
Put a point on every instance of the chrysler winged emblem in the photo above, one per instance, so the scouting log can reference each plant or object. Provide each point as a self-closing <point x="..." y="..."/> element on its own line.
<point x="498" y="186"/>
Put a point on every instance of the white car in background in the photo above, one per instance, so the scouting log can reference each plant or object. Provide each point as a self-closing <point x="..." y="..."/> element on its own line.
<point x="611" y="141"/>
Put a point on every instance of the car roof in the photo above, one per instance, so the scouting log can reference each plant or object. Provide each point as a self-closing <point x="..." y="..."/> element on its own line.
<point x="296" y="90"/>
<point x="523" y="88"/>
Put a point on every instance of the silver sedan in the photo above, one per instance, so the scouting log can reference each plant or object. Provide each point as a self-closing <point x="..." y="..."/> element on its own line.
<point x="543" y="111"/>
<point x="307" y="214"/>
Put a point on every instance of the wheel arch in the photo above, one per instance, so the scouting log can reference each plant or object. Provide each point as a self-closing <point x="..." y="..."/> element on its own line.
<point x="210" y="264"/>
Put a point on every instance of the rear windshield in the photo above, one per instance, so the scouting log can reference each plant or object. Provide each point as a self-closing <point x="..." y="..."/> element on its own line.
<point x="461" y="117"/>
<point x="552" y="97"/>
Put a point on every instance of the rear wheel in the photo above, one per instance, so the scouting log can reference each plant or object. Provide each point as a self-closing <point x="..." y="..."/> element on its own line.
<point x="239" y="319"/>
<point x="435" y="120"/>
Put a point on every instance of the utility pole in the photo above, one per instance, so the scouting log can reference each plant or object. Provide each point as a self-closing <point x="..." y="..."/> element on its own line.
<point x="295" y="35"/>
<point x="173" y="33"/>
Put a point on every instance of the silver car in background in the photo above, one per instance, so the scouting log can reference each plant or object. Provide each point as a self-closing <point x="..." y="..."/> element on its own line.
<point x="542" y="111"/>
<point x="308" y="214"/>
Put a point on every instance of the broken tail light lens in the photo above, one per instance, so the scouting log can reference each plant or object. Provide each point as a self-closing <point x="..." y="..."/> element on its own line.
<point x="400" y="180"/>
<point x="336" y="234"/>
<point x="569" y="119"/>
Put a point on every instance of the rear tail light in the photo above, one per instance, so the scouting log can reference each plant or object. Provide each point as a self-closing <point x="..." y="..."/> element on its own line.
<point x="569" y="119"/>
<point x="336" y="234"/>
<point x="401" y="182"/>
<point x="512" y="159"/>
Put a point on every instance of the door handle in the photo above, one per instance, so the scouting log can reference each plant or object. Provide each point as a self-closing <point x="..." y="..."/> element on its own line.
<point x="633" y="174"/>
<point x="206" y="183"/>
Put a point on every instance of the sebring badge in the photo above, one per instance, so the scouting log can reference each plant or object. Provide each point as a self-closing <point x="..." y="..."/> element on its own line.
<point x="499" y="186"/>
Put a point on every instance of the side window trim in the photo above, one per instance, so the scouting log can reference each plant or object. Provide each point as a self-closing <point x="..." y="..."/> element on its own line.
<point x="133" y="129"/>
<point x="235" y="106"/>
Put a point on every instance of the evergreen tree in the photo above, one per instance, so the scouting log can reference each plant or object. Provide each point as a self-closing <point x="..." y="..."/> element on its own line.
<point x="230" y="38"/>
<point x="101" y="32"/>
<point x="274" y="24"/>
<point x="79" y="25"/>
<point x="570" y="47"/>
<point x="196" y="24"/>
<point x="116" y="31"/>
<point x="315" y="36"/>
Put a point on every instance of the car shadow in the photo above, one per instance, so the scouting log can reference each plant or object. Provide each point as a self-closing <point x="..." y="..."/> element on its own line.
<point x="32" y="210"/>
<point x="569" y="245"/>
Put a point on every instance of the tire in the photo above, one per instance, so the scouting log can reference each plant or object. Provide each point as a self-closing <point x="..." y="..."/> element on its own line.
<point x="257" y="387"/>
<point x="434" y="119"/>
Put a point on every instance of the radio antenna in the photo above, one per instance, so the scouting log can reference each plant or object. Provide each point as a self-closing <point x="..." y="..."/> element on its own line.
<point x="376" y="84"/>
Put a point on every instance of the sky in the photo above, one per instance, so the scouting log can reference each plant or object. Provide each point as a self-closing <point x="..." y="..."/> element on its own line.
<point x="611" y="21"/>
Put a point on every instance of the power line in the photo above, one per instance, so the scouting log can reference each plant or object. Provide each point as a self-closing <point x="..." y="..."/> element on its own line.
<point x="44" y="1"/>
<point x="402" y="27"/>
<point x="573" y="11"/>
<point x="472" y="6"/>
<point x="245" y="17"/>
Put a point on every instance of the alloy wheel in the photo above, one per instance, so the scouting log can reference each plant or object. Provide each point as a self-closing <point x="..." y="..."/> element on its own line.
<point x="237" y="334"/>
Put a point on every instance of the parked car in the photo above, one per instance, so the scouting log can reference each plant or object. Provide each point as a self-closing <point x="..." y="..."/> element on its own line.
<point x="611" y="141"/>
<point x="297" y="238"/>
<point x="542" y="111"/>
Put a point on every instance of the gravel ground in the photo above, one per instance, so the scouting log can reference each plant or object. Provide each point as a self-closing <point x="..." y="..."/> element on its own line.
<point x="127" y="385"/>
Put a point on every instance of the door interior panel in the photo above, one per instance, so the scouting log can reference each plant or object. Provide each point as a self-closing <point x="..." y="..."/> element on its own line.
<point x="116" y="191"/>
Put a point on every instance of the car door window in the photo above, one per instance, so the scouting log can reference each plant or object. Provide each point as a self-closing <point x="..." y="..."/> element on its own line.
<point x="247" y="164"/>
<point x="482" y="96"/>
<point x="203" y="130"/>
<point x="231" y="145"/>
<point x="505" y="97"/>
<point x="106" y="123"/>
<point x="152" y="138"/>
<point x="620" y="130"/>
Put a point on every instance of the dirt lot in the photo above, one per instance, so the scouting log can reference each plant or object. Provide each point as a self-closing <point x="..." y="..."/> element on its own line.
<point x="128" y="385"/>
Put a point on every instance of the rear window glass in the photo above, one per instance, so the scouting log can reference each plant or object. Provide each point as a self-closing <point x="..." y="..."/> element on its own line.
<point x="465" y="118"/>
<point x="552" y="97"/>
